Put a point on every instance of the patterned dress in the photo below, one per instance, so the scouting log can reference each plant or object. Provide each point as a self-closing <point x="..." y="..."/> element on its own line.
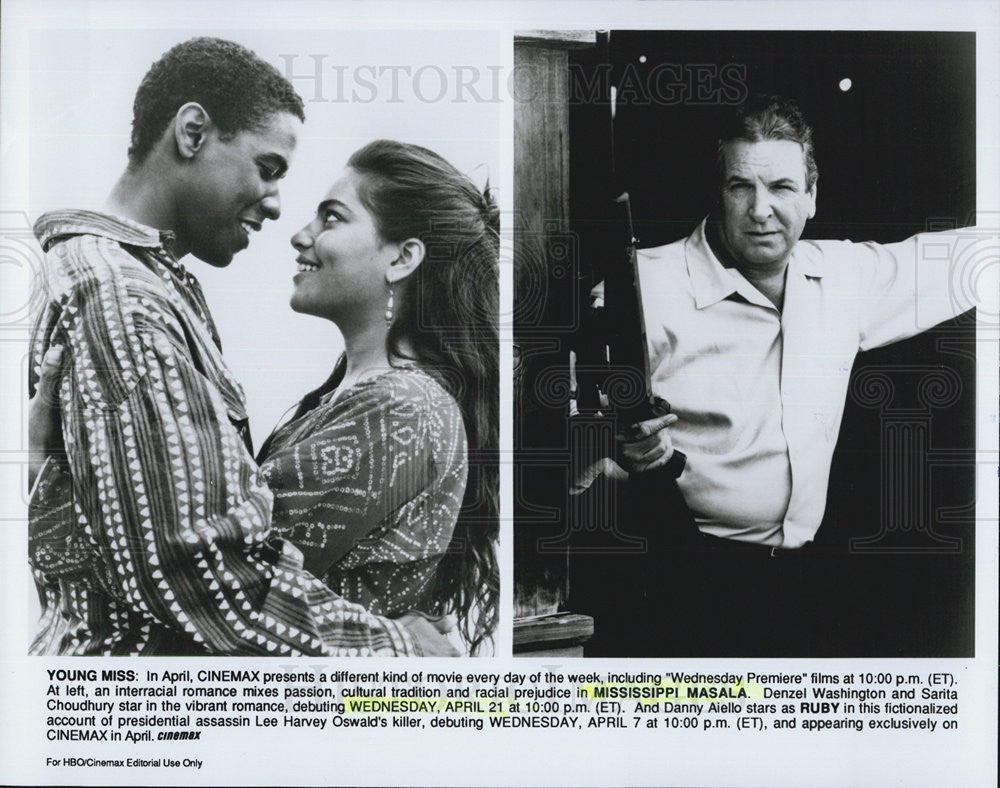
<point x="368" y="485"/>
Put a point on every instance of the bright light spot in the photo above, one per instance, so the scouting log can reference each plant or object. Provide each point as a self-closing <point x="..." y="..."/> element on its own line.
<point x="845" y="84"/>
<point x="642" y="58"/>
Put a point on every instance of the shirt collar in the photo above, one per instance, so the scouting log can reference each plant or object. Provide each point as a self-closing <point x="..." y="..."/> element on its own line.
<point x="60" y="224"/>
<point x="711" y="281"/>
<point x="807" y="260"/>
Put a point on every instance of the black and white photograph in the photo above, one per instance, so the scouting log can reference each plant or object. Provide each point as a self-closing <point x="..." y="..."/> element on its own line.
<point x="365" y="523"/>
<point x="747" y="374"/>
<point x="499" y="393"/>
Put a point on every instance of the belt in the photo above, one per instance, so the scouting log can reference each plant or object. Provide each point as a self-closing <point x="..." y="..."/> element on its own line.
<point x="716" y="544"/>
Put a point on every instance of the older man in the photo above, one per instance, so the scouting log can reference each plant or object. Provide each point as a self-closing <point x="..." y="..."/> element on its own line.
<point x="155" y="536"/>
<point x="752" y="335"/>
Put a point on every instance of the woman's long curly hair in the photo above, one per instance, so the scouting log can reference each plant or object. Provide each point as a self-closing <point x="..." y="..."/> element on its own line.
<point x="446" y="320"/>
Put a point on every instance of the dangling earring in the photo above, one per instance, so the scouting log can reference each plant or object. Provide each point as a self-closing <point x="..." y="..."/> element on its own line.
<point x="388" y="309"/>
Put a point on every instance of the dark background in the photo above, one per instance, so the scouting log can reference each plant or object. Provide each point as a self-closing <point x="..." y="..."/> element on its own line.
<point x="896" y="156"/>
<point x="894" y="151"/>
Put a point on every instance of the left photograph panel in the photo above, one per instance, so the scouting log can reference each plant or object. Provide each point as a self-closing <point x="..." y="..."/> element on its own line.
<point x="262" y="377"/>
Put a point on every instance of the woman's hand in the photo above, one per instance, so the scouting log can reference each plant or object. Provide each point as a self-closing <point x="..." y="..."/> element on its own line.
<point x="44" y="420"/>
<point x="430" y="633"/>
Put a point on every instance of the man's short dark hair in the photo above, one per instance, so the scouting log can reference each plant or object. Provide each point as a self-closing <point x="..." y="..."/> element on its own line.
<point x="237" y="89"/>
<point x="763" y="117"/>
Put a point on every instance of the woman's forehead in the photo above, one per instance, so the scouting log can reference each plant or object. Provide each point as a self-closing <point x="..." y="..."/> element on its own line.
<point x="345" y="187"/>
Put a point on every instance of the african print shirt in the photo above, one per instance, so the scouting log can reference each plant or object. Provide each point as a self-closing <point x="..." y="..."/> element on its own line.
<point x="369" y="484"/>
<point x="155" y="538"/>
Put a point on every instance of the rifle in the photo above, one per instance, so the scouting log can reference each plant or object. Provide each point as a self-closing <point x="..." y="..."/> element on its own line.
<point x="627" y="540"/>
<point x="627" y="385"/>
<point x="625" y="336"/>
<point x="613" y="374"/>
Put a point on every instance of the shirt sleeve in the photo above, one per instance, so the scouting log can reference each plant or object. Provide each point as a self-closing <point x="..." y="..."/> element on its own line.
<point x="910" y="286"/>
<point x="173" y="503"/>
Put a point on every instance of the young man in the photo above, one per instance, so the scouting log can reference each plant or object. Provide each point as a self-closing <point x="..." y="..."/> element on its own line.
<point x="155" y="536"/>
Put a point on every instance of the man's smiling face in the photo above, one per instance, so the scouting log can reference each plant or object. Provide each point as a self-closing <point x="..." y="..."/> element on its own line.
<point x="765" y="200"/>
<point x="234" y="188"/>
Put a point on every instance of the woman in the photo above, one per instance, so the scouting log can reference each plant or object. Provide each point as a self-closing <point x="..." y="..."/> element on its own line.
<point x="372" y="475"/>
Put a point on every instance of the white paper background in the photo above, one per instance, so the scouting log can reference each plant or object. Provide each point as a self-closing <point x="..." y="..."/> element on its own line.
<point x="69" y="73"/>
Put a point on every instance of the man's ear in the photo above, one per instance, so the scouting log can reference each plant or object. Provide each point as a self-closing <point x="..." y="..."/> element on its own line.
<point x="812" y="198"/>
<point x="191" y="123"/>
<point x="411" y="255"/>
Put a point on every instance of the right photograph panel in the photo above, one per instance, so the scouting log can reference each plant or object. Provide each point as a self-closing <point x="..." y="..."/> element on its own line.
<point x="745" y="359"/>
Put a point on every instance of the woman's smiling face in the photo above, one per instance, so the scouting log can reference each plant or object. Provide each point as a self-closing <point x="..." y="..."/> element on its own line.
<point x="342" y="258"/>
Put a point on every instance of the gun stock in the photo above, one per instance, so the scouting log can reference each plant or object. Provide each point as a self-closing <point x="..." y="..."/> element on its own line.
<point x="627" y="382"/>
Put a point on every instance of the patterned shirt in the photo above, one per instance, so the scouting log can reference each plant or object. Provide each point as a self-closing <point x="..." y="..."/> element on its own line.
<point x="369" y="484"/>
<point x="156" y="537"/>
<point x="760" y="393"/>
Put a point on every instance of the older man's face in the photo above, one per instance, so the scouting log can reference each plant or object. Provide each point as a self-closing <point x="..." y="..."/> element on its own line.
<point x="765" y="201"/>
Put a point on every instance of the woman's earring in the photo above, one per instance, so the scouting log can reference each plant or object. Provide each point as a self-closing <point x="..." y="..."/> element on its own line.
<point x="388" y="309"/>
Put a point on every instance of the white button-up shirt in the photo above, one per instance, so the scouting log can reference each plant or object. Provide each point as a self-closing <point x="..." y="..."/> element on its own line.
<point x="760" y="393"/>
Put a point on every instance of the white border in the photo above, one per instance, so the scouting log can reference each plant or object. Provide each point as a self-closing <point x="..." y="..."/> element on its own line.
<point x="516" y="757"/>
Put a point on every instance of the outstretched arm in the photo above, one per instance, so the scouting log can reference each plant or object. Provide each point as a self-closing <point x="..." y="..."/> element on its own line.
<point x="910" y="286"/>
